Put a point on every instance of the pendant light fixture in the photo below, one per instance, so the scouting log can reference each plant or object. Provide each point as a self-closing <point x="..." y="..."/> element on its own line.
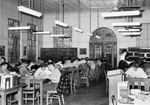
<point x="79" y="19"/>
<point x="97" y="37"/>
<point x="41" y="32"/>
<point x="129" y="30"/>
<point x="125" y="24"/>
<point x="20" y="28"/>
<point x="120" y="14"/>
<point x="29" y="11"/>
<point x="89" y="33"/>
<point x="57" y="22"/>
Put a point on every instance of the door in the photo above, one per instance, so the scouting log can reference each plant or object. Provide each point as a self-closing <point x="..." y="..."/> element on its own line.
<point x="105" y="47"/>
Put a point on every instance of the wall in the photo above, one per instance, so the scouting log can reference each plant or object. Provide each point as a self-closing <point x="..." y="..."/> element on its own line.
<point x="9" y="9"/>
<point x="82" y="40"/>
<point x="0" y="20"/>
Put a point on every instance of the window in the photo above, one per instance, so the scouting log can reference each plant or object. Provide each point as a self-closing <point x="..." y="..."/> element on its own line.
<point x="31" y="47"/>
<point x="13" y="42"/>
<point x="63" y="42"/>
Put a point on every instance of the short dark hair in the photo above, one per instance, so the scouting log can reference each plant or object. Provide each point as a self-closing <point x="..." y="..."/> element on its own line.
<point x="136" y="64"/>
<point x="3" y="59"/>
<point x="50" y="63"/>
<point x="42" y="65"/>
<point x="4" y="63"/>
<point x="124" y="50"/>
<point x="39" y="58"/>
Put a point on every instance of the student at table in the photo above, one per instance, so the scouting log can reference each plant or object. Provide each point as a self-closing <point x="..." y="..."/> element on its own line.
<point x="68" y="63"/>
<point x="55" y="73"/>
<point x="54" y="77"/>
<point x="135" y="71"/>
<point x="42" y="72"/>
<point x="23" y="68"/>
<point x="39" y="61"/>
<point x="4" y="68"/>
<point x="2" y="59"/>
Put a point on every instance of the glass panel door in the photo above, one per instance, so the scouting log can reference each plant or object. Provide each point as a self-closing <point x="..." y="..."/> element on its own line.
<point x="98" y="51"/>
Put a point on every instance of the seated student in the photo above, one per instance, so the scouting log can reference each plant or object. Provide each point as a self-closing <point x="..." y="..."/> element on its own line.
<point x="4" y="68"/>
<point x="23" y="68"/>
<point x="42" y="72"/>
<point x="135" y="71"/>
<point x="2" y="59"/>
<point x="39" y="61"/>
<point x="55" y="73"/>
<point x="68" y="63"/>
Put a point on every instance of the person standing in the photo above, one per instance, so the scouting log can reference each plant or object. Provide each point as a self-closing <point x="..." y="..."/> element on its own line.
<point x="123" y="63"/>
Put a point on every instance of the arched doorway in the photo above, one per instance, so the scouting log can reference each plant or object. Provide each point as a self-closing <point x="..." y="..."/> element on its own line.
<point x="104" y="47"/>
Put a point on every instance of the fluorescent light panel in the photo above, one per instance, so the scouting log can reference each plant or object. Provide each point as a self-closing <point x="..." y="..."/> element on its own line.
<point x="29" y="11"/>
<point x="19" y="28"/>
<point x="120" y="13"/>
<point x="59" y="35"/>
<point x="132" y="33"/>
<point x="78" y="30"/>
<point x="61" y="23"/>
<point x="44" y="32"/>
<point x="128" y="30"/>
<point x="98" y="37"/>
<point x="126" y="24"/>
<point x="90" y="34"/>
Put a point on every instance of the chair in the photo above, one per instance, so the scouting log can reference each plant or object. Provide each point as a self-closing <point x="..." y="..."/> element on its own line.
<point x="85" y="76"/>
<point x="52" y="94"/>
<point x="29" y="92"/>
<point x="107" y="81"/>
<point x="134" y="82"/>
<point x="146" y="82"/>
<point x="114" y="102"/>
<point x="73" y="79"/>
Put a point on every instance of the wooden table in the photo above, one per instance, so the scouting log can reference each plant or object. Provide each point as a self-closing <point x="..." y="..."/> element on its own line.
<point x="40" y="82"/>
<point x="4" y="93"/>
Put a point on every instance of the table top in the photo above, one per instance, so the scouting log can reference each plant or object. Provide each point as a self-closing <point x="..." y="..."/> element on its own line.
<point x="139" y="99"/>
<point x="15" y="87"/>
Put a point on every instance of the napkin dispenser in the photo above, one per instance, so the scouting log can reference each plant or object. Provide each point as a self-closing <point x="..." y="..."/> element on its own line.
<point x="123" y="90"/>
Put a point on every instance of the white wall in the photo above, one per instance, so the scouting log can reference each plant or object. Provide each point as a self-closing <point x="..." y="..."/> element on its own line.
<point x="9" y="9"/>
<point x="82" y="40"/>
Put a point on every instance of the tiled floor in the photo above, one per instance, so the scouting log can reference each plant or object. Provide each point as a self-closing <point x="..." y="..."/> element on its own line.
<point x="93" y="95"/>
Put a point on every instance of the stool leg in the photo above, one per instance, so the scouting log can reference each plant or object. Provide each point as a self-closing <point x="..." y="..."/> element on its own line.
<point x="62" y="97"/>
<point x="47" y="98"/>
<point x="59" y="100"/>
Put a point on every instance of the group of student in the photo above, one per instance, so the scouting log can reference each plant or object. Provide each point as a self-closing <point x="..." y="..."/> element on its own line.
<point x="134" y="68"/>
<point x="46" y="70"/>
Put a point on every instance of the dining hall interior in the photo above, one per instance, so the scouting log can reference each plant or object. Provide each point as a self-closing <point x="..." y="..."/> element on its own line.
<point x="74" y="52"/>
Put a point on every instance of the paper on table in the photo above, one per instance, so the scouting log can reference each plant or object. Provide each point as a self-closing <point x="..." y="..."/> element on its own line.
<point x="141" y="102"/>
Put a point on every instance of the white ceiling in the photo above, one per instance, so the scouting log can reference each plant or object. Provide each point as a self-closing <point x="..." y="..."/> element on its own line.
<point x="73" y="5"/>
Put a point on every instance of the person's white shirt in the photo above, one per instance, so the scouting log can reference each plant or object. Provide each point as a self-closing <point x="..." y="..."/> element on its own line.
<point x="139" y="73"/>
<point x="42" y="74"/>
<point x="55" y="76"/>
<point x="92" y="65"/>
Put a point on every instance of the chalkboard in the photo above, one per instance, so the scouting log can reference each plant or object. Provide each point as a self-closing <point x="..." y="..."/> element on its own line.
<point x="58" y="53"/>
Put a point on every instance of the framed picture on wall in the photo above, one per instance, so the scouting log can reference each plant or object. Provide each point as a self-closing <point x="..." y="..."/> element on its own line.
<point x="82" y="50"/>
<point x="2" y="50"/>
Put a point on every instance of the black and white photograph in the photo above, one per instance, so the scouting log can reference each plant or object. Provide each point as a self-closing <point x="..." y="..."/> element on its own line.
<point x="74" y="52"/>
